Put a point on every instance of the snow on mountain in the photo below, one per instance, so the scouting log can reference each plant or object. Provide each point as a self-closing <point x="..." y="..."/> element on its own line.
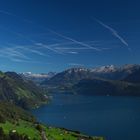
<point x="37" y="77"/>
<point x="29" y="74"/>
<point x="104" y="69"/>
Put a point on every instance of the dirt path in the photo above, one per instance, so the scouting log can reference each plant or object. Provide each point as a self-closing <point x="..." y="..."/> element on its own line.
<point x="43" y="135"/>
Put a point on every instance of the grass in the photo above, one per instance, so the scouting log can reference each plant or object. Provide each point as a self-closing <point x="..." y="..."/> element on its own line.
<point x="63" y="134"/>
<point x="22" y="93"/>
<point x="29" y="129"/>
<point x="22" y="127"/>
<point x="58" y="134"/>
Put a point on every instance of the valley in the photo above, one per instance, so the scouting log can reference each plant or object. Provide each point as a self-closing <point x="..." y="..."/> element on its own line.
<point x="69" y="92"/>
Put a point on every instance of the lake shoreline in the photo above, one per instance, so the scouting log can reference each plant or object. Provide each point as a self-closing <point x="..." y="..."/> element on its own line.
<point x="92" y="115"/>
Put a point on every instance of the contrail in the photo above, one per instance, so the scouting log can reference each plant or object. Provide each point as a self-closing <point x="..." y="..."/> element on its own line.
<point x="48" y="47"/>
<point x="73" y="40"/>
<point x="30" y="50"/>
<point x="52" y="31"/>
<point x="16" y="16"/>
<point x="65" y="37"/>
<point x="18" y="34"/>
<point x="114" y="32"/>
<point x="8" y="13"/>
<point x="11" y="54"/>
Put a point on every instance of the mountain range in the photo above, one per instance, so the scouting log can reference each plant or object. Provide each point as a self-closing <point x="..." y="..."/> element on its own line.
<point x="105" y="80"/>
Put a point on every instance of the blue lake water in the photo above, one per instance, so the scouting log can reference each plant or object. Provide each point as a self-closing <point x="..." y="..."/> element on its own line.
<point x="116" y="118"/>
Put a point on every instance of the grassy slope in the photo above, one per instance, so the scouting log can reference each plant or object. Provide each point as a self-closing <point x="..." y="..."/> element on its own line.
<point x="62" y="134"/>
<point x="10" y="112"/>
<point x="20" y="92"/>
<point x="15" y="118"/>
<point x="24" y="127"/>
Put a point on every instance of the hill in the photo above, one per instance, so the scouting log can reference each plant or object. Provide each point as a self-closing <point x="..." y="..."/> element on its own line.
<point x="21" y="92"/>
<point x="18" y="124"/>
<point x="12" y="113"/>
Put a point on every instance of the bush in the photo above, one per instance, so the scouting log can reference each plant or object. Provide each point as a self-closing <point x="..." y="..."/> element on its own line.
<point x="39" y="127"/>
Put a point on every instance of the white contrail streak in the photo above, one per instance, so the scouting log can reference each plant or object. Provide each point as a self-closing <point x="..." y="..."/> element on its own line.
<point x="7" y="13"/>
<point x="114" y="32"/>
<point x="48" y="47"/>
<point x="65" y="37"/>
<point x="16" y="16"/>
<point x="30" y="50"/>
<point x="73" y="40"/>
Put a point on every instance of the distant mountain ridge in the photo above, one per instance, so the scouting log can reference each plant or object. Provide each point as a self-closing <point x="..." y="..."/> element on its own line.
<point x="115" y="73"/>
<point x="37" y="77"/>
<point x="99" y="80"/>
<point x="106" y="72"/>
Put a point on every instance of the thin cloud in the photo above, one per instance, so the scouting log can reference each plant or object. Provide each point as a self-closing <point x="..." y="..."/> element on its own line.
<point x="9" y="52"/>
<point x="31" y="50"/>
<point x="12" y="57"/>
<point x="18" y="60"/>
<point x="114" y="32"/>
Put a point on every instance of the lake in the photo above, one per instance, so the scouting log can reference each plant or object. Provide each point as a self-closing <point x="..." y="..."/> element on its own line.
<point x="116" y="118"/>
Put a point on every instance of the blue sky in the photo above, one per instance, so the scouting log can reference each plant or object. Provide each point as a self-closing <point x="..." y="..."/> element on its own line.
<point x="52" y="35"/>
